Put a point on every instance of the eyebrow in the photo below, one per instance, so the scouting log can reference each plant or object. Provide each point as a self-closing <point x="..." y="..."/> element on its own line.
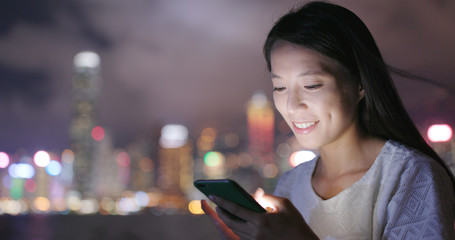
<point x="310" y="72"/>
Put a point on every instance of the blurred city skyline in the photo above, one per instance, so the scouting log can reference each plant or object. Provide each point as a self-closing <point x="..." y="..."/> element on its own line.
<point x="195" y="63"/>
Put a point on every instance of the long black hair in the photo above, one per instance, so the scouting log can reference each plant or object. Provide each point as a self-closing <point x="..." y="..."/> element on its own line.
<point x="340" y="35"/>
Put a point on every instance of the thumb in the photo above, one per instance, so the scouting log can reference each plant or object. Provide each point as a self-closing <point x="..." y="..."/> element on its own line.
<point x="271" y="202"/>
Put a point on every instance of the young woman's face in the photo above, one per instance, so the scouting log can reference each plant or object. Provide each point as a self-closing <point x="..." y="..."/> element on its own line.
<point x="312" y="95"/>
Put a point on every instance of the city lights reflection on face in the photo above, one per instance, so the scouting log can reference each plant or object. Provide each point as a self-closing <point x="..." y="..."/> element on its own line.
<point x="300" y="157"/>
<point x="439" y="133"/>
<point x="4" y="160"/>
<point x="42" y="158"/>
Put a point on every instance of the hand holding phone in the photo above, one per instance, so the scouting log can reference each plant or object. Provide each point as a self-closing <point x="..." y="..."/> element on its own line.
<point x="229" y="190"/>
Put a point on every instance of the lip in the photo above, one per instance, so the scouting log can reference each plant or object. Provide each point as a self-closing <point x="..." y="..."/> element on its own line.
<point x="304" y="131"/>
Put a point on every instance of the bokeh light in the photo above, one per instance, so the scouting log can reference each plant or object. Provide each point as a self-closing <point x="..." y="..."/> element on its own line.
<point x="439" y="133"/>
<point x="12" y="207"/>
<point x="300" y="157"/>
<point x="42" y="204"/>
<point x="86" y="59"/>
<point x="142" y="198"/>
<point x="89" y="206"/>
<point x="21" y="170"/>
<point x="4" y="160"/>
<point x="173" y="136"/>
<point x="259" y="99"/>
<point x="73" y="200"/>
<point x="42" y="158"/>
<point x="107" y="205"/>
<point x="270" y="170"/>
<point x="98" y="133"/>
<point x="58" y="204"/>
<point x="283" y="150"/>
<point x="123" y="159"/>
<point x="213" y="159"/>
<point x="54" y="168"/>
<point x="146" y="164"/>
<point x="195" y="207"/>
<point x="231" y="140"/>
<point x="67" y="156"/>
<point x="30" y="185"/>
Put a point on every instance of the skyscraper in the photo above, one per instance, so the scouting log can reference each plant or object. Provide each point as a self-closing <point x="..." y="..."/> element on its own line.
<point x="175" y="166"/>
<point x="85" y="86"/>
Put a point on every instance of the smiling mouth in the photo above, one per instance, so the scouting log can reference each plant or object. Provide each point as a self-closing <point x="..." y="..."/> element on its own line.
<point x="305" y="125"/>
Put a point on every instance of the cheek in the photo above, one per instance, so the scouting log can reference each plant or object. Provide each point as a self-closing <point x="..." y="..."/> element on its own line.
<point x="280" y="104"/>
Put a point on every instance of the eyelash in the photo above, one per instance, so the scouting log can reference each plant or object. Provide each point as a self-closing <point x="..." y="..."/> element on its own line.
<point x="313" y="87"/>
<point x="278" y="89"/>
<point x="309" y="87"/>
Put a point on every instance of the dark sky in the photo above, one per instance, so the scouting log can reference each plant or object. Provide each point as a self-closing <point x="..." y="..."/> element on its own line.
<point x="193" y="62"/>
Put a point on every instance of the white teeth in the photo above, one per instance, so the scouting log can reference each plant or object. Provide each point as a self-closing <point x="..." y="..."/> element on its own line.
<point x="305" y="125"/>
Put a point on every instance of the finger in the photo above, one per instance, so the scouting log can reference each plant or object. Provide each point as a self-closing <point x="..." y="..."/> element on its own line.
<point x="259" y="197"/>
<point x="259" y="193"/>
<point x="212" y="214"/>
<point x="240" y="228"/>
<point x="234" y="208"/>
<point x="270" y="201"/>
<point x="224" y="230"/>
<point x="208" y="210"/>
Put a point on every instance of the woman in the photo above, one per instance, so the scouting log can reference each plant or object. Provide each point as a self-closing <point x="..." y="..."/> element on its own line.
<point x="375" y="176"/>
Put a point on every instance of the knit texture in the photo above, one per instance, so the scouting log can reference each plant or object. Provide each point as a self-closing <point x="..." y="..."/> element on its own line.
<point x="404" y="195"/>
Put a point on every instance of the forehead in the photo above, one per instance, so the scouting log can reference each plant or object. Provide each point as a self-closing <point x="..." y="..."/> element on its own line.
<point x="286" y="56"/>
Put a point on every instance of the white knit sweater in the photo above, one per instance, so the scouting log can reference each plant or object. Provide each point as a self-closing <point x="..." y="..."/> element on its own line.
<point x="404" y="195"/>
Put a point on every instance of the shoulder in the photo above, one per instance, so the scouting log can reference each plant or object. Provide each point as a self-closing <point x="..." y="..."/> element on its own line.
<point x="421" y="192"/>
<point x="406" y="161"/>
<point x="297" y="175"/>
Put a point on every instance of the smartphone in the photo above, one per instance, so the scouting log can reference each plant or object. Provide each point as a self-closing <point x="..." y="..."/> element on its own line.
<point x="229" y="190"/>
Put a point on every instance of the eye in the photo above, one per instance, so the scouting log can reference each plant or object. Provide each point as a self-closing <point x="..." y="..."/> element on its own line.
<point x="279" y="89"/>
<point x="313" y="86"/>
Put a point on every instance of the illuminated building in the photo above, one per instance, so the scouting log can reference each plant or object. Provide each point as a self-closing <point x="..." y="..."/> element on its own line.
<point x="175" y="167"/>
<point x="104" y="174"/>
<point x="261" y="121"/>
<point x="142" y="165"/>
<point x="85" y="86"/>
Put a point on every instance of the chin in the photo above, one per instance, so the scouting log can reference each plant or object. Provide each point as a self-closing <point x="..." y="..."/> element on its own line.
<point x="308" y="144"/>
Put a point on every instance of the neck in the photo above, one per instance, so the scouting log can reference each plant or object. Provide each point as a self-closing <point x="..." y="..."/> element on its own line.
<point x="354" y="152"/>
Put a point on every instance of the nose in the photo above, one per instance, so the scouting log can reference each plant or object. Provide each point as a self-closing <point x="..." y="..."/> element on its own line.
<point x="296" y="100"/>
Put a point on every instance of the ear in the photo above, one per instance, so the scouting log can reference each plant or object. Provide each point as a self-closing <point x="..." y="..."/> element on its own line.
<point x="361" y="93"/>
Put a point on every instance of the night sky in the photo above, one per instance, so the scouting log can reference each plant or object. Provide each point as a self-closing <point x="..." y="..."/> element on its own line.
<point x="194" y="62"/>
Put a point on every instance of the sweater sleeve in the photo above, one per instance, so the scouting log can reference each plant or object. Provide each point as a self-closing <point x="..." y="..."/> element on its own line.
<point x="422" y="204"/>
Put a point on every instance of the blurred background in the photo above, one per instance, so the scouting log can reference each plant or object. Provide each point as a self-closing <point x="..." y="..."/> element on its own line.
<point x="110" y="109"/>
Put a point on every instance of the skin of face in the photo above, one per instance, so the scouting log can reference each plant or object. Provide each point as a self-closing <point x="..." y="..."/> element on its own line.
<point x="312" y="94"/>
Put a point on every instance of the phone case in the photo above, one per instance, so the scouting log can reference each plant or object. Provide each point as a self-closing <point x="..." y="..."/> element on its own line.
<point x="229" y="190"/>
